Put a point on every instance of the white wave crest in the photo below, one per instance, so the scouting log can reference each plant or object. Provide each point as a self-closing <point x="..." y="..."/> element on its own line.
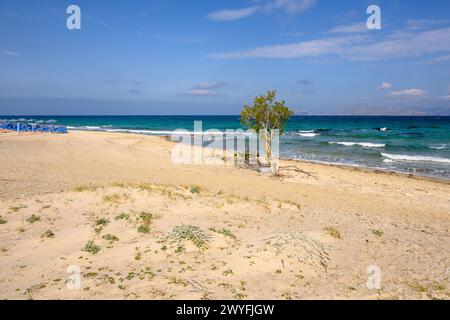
<point x="408" y="158"/>
<point x="440" y="147"/>
<point x="308" y="135"/>
<point x="361" y="144"/>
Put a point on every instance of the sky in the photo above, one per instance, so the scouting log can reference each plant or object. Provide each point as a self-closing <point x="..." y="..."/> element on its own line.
<point x="212" y="57"/>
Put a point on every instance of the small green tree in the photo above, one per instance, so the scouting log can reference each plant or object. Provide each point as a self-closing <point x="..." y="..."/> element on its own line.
<point x="265" y="115"/>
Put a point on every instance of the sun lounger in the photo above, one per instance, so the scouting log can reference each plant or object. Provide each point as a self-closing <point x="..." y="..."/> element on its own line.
<point x="60" y="129"/>
<point x="32" y="127"/>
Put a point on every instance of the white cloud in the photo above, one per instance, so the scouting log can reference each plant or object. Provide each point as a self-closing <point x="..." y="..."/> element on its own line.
<point x="290" y="6"/>
<point x="198" y="92"/>
<point x="446" y="98"/>
<point x="209" y="85"/>
<point x="407" y="93"/>
<point x="419" y="24"/>
<point x="269" y="6"/>
<point x="10" y="53"/>
<point x="367" y="46"/>
<point x="385" y="86"/>
<point x="441" y="59"/>
<point x="231" y="15"/>
<point x="352" y="28"/>
<point x="205" y="89"/>
<point x="314" y="48"/>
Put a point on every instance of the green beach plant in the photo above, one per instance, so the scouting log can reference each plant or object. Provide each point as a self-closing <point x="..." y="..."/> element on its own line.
<point x="145" y="229"/>
<point x="223" y="231"/>
<point x="122" y="216"/>
<point x="189" y="233"/>
<point x="110" y="237"/>
<point x="34" y="218"/>
<point x="102" y="222"/>
<point x="48" y="234"/>
<point x="91" y="247"/>
<point x="146" y="218"/>
<point x="195" y="189"/>
<point x="333" y="232"/>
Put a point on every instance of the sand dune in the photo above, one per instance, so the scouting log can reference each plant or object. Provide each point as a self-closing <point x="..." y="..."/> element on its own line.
<point x="139" y="227"/>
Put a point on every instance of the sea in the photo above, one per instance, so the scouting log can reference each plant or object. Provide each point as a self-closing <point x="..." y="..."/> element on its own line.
<point x="413" y="145"/>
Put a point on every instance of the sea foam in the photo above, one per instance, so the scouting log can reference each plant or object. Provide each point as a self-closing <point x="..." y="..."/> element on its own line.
<point x="307" y="133"/>
<point x="440" y="147"/>
<point x="361" y="144"/>
<point x="408" y="158"/>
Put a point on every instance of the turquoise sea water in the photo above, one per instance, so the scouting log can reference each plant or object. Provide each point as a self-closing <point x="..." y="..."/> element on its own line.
<point x="419" y="145"/>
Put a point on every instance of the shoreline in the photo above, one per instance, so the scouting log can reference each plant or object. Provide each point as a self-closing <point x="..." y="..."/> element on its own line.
<point x="374" y="170"/>
<point x="362" y="168"/>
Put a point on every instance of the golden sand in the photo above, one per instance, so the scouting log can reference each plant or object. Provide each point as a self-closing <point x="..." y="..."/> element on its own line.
<point x="165" y="231"/>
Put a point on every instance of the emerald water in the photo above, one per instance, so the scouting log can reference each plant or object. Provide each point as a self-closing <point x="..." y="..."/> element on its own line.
<point x="419" y="145"/>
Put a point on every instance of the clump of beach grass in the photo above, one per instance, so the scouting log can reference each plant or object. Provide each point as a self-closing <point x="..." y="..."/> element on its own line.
<point x="113" y="198"/>
<point x="145" y="229"/>
<point x="146" y="218"/>
<point x="306" y="249"/>
<point x="293" y="203"/>
<point x="195" y="189"/>
<point x="103" y="222"/>
<point x="48" y="234"/>
<point x="85" y="188"/>
<point x="34" y="218"/>
<point x="377" y="233"/>
<point x="91" y="247"/>
<point x="228" y="272"/>
<point x="178" y="281"/>
<point x="17" y="208"/>
<point x="223" y="231"/>
<point x="21" y="230"/>
<point x="2" y="221"/>
<point x="240" y="296"/>
<point x="119" y="185"/>
<point x="169" y="191"/>
<point x="333" y="232"/>
<point x="100" y="224"/>
<point x="122" y="216"/>
<point x="110" y="237"/>
<point x="29" y="291"/>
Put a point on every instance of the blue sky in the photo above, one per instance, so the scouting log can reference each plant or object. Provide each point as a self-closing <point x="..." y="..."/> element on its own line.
<point x="211" y="57"/>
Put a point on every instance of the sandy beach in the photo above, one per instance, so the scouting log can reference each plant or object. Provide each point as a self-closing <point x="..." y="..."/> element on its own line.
<point x="140" y="227"/>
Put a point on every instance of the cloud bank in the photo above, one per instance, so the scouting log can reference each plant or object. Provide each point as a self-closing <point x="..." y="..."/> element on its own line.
<point x="358" y="46"/>
<point x="268" y="7"/>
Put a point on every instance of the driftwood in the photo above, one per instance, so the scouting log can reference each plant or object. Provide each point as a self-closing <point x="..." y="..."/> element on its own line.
<point x="294" y="168"/>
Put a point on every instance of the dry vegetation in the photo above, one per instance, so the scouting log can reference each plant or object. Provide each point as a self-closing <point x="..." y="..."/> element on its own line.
<point x="147" y="241"/>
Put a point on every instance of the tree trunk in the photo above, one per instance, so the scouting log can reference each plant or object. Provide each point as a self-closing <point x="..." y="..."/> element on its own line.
<point x="268" y="141"/>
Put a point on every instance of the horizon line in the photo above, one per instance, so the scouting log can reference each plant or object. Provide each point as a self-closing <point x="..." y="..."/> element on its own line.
<point x="215" y="115"/>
